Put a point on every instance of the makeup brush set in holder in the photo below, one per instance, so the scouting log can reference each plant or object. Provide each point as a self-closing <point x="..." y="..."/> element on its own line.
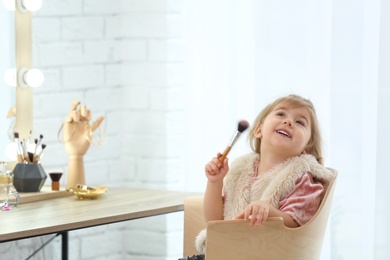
<point x="29" y="175"/>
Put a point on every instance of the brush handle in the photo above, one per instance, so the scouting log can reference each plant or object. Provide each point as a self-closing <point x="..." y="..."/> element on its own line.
<point x="55" y="185"/>
<point x="30" y="156"/>
<point x="225" y="153"/>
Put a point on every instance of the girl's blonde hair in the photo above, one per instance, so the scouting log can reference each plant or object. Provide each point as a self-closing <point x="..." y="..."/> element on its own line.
<point x="313" y="146"/>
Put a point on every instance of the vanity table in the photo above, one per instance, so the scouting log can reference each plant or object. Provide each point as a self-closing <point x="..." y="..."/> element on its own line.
<point x="63" y="213"/>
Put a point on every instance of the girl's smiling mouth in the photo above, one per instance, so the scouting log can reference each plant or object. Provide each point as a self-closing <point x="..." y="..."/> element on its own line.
<point x="283" y="132"/>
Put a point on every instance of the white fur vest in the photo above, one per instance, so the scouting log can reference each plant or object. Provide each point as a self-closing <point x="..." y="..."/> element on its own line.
<point x="271" y="187"/>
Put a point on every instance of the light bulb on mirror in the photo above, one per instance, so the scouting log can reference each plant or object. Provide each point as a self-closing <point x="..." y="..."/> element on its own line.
<point x="33" y="77"/>
<point x="29" y="5"/>
<point x="9" y="5"/>
<point x="10" y="77"/>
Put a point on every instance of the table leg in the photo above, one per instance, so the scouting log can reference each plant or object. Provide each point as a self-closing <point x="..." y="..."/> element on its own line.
<point x="64" y="245"/>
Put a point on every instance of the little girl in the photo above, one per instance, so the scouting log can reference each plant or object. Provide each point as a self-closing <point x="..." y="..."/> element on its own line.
<point x="282" y="177"/>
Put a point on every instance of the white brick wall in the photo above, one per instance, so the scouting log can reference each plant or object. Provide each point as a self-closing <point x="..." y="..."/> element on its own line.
<point x="124" y="60"/>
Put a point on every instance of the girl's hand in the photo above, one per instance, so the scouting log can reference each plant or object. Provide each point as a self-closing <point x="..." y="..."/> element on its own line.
<point x="215" y="170"/>
<point x="256" y="212"/>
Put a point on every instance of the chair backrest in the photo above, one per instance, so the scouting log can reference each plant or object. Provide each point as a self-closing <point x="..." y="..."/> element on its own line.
<point x="236" y="239"/>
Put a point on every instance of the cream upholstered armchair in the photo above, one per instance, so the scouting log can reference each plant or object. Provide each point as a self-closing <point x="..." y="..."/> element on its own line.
<point x="237" y="240"/>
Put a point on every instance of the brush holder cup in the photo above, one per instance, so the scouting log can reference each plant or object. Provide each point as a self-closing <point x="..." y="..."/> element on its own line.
<point x="29" y="177"/>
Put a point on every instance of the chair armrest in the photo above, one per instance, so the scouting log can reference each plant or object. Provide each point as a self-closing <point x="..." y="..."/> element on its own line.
<point x="193" y="223"/>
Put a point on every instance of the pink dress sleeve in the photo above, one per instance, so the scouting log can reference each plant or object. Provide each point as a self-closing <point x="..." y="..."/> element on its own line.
<point x="303" y="201"/>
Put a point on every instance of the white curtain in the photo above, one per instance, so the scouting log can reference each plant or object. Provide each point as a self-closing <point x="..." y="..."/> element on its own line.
<point x="243" y="54"/>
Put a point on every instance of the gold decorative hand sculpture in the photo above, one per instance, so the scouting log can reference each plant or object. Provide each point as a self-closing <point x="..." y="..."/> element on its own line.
<point x="77" y="138"/>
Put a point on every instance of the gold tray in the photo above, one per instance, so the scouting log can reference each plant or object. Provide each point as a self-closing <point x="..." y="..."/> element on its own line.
<point x="87" y="192"/>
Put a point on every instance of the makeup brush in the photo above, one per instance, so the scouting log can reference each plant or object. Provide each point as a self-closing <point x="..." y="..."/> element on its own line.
<point x="18" y="147"/>
<point x="55" y="178"/>
<point x="31" y="157"/>
<point x="242" y="126"/>
<point x="40" y="140"/>
<point x="36" y="146"/>
<point x="41" y="152"/>
<point x="27" y="142"/>
<point x="35" y="150"/>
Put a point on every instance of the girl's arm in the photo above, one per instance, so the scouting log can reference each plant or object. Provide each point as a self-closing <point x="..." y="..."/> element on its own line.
<point x="213" y="201"/>
<point x="296" y="209"/>
<point x="258" y="211"/>
<point x="287" y="219"/>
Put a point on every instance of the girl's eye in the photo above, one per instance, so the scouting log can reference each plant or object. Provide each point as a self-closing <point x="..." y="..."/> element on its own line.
<point x="280" y="113"/>
<point x="301" y="122"/>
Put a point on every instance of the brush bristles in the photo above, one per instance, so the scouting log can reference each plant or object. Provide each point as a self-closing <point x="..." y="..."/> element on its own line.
<point x="55" y="176"/>
<point x="242" y="126"/>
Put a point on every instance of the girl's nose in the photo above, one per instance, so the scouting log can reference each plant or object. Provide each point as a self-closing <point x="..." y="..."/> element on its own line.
<point x="287" y="122"/>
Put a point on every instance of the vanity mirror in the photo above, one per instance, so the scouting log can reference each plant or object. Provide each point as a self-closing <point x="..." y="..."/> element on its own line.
<point x="16" y="24"/>
<point x="24" y="94"/>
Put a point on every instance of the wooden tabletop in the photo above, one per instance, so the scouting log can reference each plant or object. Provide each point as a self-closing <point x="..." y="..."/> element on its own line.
<point x="69" y="213"/>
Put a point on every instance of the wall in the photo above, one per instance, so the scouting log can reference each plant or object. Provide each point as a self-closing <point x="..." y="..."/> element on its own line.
<point x="243" y="55"/>
<point x="7" y="54"/>
<point x="124" y="60"/>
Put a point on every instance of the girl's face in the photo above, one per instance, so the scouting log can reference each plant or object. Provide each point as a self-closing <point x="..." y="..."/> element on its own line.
<point x="286" y="131"/>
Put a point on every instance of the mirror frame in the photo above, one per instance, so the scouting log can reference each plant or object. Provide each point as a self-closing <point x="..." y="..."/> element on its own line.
<point x="23" y="54"/>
